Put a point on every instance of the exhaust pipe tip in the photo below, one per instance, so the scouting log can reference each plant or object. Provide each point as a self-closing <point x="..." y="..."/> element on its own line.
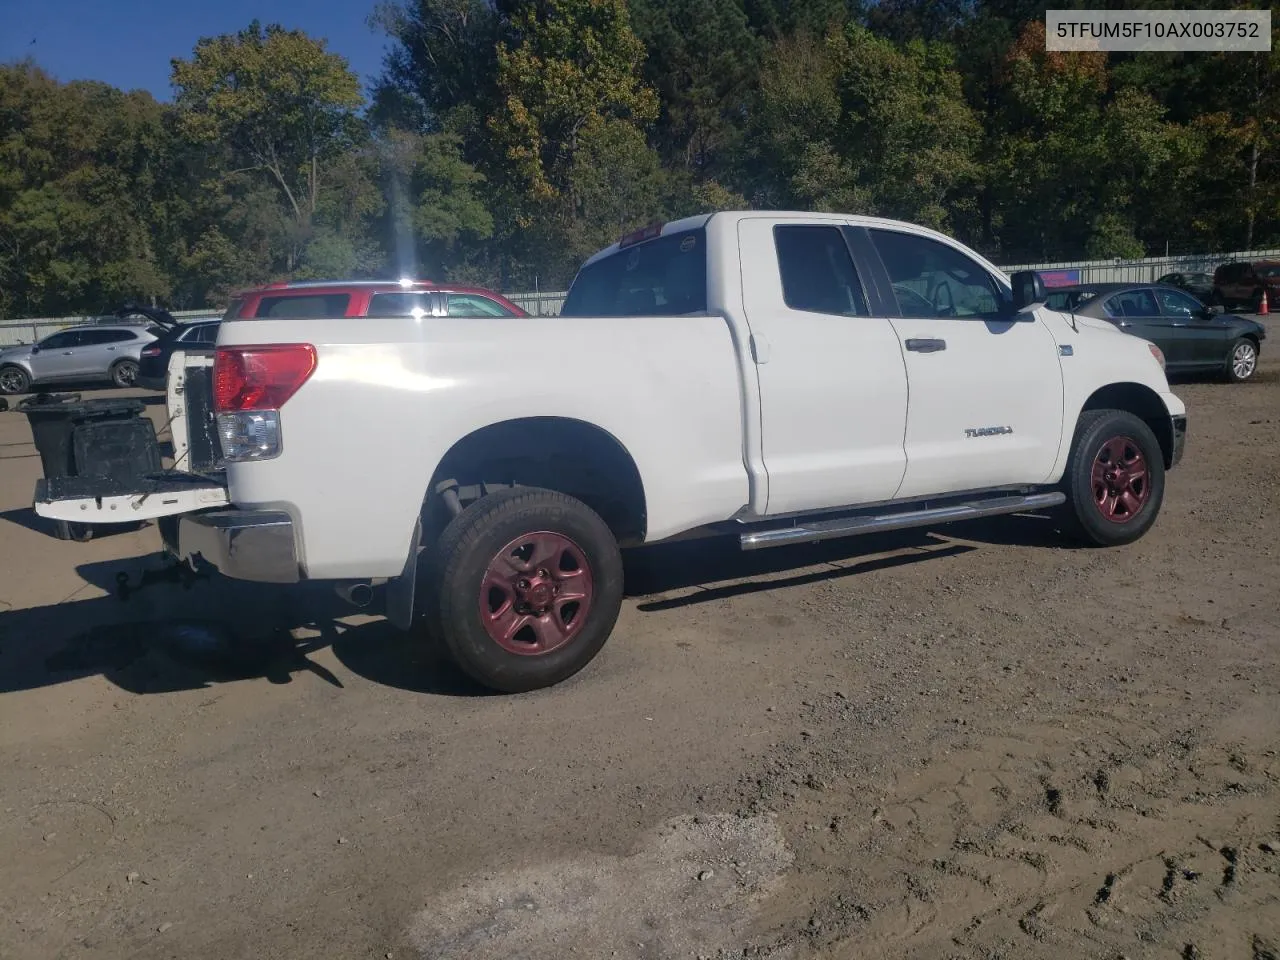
<point x="358" y="594"/>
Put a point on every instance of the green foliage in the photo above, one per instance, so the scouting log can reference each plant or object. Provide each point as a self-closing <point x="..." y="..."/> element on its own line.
<point x="703" y="62"/>
<point x="856" y="124"/>
<point x="277" y="102"/>
<point x="572" y="67"/>
<point x="83" y="175"/>
<point x="507" y="140"/>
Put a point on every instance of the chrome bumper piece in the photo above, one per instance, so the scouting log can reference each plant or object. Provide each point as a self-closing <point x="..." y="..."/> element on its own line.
<point x="243" y="544"/>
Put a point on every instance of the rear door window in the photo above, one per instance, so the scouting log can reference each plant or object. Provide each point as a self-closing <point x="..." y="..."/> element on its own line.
<point x="817" y="272"/>
<point x="1133" y="303"/>
<point x="473" y="305"/>
<point x="400" y="305"/>
<point x="659" y="278"/>
<point x="97" y="337"/>
<point x="305" y="306"/>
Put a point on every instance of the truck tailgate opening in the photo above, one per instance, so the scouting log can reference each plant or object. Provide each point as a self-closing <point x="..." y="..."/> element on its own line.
<point x="112" y="471"/>
<point x="106" y="500"/>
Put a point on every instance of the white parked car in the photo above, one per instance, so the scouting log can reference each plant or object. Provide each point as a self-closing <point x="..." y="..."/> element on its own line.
<point x="778" y="377"/>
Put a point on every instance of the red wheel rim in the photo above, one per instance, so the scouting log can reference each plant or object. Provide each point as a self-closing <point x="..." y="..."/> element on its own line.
<point x="536" y="594"/>
<point x="1121" y="480"/>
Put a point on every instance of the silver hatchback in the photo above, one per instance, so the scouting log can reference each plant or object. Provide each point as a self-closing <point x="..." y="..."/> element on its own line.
<point x="101" y="351"/>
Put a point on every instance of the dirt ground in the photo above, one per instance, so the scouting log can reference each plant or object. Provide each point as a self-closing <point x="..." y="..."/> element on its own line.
<point x="969" y="743"/>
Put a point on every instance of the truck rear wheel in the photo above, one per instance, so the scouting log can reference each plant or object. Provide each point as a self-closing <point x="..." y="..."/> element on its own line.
<point x="1114" y="479"/>
<point x="525" y="588"/>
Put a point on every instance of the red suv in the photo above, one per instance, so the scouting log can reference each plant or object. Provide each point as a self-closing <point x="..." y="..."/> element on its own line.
<point x="1242" y="284"/>
<point x="368" y="298"/>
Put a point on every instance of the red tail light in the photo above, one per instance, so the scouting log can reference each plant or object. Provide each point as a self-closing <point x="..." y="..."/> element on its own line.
<point x="260" y="377"/>
<point x="151" y="351"/>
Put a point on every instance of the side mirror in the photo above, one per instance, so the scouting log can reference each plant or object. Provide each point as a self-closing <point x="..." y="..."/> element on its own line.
<point x="35" y="348"/>
<point x="1028" y="290"/>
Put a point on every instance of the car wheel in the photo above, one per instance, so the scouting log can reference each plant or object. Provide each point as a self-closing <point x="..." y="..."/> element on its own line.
<point x="14" y="380"/>
<point x="524" y="588"/>
<point x="124" y="373"/>
<point x="1114" y="478"/>
<point x="1242" y="361"/>
<point x="80" y="532"/>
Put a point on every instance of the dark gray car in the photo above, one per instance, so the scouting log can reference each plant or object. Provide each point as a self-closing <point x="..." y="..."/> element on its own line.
<point x="85" y="354"/>
<point x="1195" y="338"/>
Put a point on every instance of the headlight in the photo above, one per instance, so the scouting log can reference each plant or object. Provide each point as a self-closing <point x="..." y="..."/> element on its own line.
<point x="1157" y="353"/>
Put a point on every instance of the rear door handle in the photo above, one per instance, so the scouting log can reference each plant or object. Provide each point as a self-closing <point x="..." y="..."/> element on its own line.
<point x="926" y="346"/>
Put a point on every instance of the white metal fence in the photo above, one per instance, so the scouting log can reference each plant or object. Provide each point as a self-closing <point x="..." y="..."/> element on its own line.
<point x="1146" y="270"/>
<point x="548" y="303"/>
<point x="541" y="304"/>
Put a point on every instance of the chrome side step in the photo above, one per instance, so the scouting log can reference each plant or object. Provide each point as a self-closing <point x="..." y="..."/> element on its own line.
<point x="880" y="523"/>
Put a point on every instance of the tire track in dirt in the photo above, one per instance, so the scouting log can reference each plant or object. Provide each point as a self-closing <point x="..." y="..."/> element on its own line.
<point x="1057" y="842"/>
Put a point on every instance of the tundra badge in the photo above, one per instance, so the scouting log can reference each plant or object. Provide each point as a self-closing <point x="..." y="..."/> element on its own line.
<point x="986" y="431"/>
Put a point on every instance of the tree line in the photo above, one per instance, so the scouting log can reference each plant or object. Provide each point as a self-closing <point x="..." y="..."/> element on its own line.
<point x="505" y="140"/>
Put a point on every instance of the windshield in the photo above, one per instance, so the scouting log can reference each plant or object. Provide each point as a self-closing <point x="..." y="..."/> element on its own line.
<point x="661" y="278"/>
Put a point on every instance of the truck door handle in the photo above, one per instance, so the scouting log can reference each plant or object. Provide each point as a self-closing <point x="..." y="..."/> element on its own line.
<point x="926" y="346"/>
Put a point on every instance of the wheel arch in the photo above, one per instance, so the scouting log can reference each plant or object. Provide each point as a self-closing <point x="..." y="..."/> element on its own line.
<point x="565" y="454"/>
<point x="1142" y="402"/>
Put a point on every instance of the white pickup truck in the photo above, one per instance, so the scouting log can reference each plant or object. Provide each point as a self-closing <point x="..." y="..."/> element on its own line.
<point x="779" y="377"/>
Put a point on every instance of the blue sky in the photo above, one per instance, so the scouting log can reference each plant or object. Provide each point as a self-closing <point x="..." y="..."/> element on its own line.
<point x="129" y="43"/>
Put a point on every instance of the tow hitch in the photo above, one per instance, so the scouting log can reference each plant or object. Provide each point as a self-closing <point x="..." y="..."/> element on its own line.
<point x="176" y="572"/>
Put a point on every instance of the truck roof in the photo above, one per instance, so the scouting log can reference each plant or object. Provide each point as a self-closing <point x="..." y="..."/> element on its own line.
<point x="732" y="217"/>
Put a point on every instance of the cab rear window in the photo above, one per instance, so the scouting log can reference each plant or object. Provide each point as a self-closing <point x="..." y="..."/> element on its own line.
<point x="659" y="278"/>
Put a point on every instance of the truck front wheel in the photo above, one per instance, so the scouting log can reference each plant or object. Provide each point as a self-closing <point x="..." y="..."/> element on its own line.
<point x="1114" y="479"/>
<point x="525" y="587"/>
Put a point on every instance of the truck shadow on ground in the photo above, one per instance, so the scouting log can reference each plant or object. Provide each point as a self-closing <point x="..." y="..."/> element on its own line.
<point x="169" y="637"/>
<point x="27" y="517"/>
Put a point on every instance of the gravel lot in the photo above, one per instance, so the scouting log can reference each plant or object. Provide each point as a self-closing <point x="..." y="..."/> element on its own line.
<point x="971" y="743"/>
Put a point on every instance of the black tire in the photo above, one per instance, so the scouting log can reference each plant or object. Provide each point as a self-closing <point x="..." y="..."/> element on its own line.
<point x="1096" y="516"/>
<point x="458" y="566"/>
<point x="1242" y="360"/>
<point x="124" y="373"/>
<point x="14" y="380"/>
<point x="80" y="532"/>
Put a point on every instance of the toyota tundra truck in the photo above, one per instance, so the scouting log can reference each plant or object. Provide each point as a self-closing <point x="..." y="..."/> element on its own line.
<point x="781" y="378"/>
